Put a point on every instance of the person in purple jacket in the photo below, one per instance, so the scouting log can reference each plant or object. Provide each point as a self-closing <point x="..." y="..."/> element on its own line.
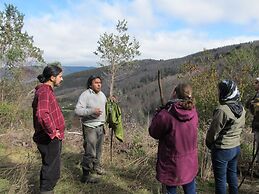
<point x="176" y="128"/>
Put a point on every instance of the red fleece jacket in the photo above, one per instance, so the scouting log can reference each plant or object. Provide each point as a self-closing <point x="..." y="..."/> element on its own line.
<point x="177" y="132"/>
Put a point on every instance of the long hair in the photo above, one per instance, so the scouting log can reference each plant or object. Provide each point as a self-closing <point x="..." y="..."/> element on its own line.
<point x="184" y="93"/>
<point x="50" y="70"/>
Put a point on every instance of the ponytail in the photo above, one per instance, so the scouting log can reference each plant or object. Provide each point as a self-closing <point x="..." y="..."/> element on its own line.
<point x="184" y="92"/>
<point x="50" y="70"/>
<point x="41" y="78"/>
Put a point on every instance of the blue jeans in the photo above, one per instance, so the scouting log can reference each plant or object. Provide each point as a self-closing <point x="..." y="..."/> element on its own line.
<point x="224" y="163"/>
<point x="189" y="188"/>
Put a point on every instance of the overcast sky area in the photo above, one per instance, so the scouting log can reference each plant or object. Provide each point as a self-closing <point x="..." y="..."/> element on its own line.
<point x="68" y="30"/>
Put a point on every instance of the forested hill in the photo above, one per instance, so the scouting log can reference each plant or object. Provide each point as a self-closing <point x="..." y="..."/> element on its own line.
<point x="138" y="89"/>
<point x="73" y="69"/>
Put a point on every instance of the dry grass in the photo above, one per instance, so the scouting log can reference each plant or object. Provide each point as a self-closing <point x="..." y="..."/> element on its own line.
<point x="131" y="171"/>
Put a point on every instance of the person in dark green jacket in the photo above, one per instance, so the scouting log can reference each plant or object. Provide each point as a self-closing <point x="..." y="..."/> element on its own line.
<point x="223" y="137"/>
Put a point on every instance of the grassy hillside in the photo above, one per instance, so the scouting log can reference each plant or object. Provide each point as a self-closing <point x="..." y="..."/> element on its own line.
<point x="73" y="69"/>
<point x="137" y="90"/>
<point x="133" y="168"/>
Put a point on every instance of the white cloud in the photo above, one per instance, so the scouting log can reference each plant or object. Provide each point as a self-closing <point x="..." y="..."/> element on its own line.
<point x="207" y="12"/>
<point x="168" y="45"/>
<point x="70" y="35"/>
<point x="199" y="11"/>
<point x="69" y="41"/>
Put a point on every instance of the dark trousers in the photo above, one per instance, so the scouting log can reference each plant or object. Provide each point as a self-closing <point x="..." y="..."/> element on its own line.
<point x="50" y="169"/>
<point x="93" y="141"/>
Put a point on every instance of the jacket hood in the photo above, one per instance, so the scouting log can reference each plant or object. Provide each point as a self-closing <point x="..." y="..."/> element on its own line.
<point x="180" y="113"/>
<point x="236" y="108"/>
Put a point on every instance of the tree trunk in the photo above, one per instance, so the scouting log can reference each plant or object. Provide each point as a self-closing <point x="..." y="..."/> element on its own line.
<point x="2" y="91"/>
<point x="111" y="94"/>
<point x="112" y="79"/>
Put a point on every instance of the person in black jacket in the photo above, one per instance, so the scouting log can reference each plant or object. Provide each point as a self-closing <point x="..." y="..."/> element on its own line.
<point x="253" y="106"/>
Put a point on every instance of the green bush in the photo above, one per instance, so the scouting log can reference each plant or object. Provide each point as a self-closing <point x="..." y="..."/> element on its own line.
<point x="6" y="114"/>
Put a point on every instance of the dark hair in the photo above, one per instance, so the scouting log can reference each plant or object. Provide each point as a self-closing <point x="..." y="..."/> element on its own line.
<point x="184" y="92"/>
<point x="50" y="70"/>
<point x="90" y="80"/>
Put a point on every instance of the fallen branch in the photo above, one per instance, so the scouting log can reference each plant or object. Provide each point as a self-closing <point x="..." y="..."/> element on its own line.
<point x="1" y="135"/>
<point x="74" y="133"/>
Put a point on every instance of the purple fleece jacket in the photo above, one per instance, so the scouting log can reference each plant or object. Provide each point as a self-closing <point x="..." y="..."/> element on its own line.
<point x="177" y="158"/>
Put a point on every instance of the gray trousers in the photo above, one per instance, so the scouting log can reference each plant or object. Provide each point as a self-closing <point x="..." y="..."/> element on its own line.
<point x="93" y="141"/>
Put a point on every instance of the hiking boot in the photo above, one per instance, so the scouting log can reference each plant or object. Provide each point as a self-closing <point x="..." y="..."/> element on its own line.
<point x="89" y="179"/>
<point x="99" y="171"/>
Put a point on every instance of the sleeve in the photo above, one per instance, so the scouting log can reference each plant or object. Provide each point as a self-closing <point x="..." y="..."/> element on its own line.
<point x="159" y="125"/>
<point x="81" y="106"/>
<point x="218" y="122"/>
<point x="249" y="105"/>
<point x="255" y="106"/>
<point x="43" y="114"/>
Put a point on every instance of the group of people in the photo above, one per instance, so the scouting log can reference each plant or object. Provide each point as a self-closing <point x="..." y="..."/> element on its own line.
<point x="175" y="126"/>
<point x="49" y="125"/>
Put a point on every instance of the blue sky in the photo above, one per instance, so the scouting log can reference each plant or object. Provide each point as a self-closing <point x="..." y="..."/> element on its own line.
<point x="68" y="30"/>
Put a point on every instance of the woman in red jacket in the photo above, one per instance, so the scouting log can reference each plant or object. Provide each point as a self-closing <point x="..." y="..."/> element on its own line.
<point x="176" y="128"/>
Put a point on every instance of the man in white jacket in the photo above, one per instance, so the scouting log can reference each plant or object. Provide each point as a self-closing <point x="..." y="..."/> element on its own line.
<point x="91" y="108"/>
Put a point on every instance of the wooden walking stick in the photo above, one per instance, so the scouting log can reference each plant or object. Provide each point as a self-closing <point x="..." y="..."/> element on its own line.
<point x="250" y="166"/>
<point x="111" y="147"/>
<point x="164" y="190"/>
<point x="160" y="88"/>
<point x="109" y="112"/>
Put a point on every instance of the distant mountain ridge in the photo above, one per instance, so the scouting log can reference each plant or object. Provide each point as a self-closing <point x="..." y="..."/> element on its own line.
<point x="33" y="71"/>
<point x="138" y="89"/>
<point x="73" y="69"/>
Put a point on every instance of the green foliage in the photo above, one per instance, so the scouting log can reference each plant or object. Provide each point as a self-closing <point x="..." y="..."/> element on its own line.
<point x="117" y="48"/>
<point x="6" y="114"/>
<point x="137" y="146"/>
<point x="4" y="185"/>
<point x="16" y="47"/>
<point x="117" y="51"/>
<point x="15" y="99"/>
<point x="16" y="53"/>
<point x="205" y="72"/>
<point x="241" y="65"/>
<point x="13" y="115"/>
<point x="204" y="83"/>
<point x="247" y="151"/>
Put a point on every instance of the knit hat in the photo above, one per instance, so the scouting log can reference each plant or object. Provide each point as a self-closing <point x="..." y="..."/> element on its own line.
<point x="228" y="90"/>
